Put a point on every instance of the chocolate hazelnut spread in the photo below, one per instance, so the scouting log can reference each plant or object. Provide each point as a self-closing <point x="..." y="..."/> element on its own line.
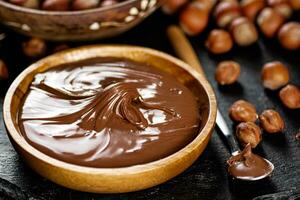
<point x="108" y="112"/>
<point x="248" y="165"/>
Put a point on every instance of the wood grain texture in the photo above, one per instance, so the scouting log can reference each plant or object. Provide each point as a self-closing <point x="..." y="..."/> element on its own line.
<point x="207" y="178"/>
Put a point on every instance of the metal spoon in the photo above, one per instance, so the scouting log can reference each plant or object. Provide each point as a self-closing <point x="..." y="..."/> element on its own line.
<point x="185" y="51"/>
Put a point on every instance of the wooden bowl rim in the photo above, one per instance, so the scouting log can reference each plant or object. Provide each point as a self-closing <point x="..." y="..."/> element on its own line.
<point x="65" y="13"/>
<point x="21" y="142"/>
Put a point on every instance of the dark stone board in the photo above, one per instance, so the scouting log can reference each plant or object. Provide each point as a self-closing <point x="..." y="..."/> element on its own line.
<point x="207" y="177"/>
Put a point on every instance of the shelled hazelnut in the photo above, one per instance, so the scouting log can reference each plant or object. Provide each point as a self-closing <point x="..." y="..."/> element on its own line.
<point x="193" y="19"/>
<point x="226" y="12"/>
<point x="248" y="132"/>
<point x="271" y="121"/>
<point x="243" y="31"/>
<point x="295" y="4"/>
<point x="243" y="111"/>
<point x="219" y="41"/>
<point x="35" y="47"/>
<point x="289" y="35"/>
<point x="84" y="4"/>
<point x="26" y="3"/>
<point x="3" y="70"/>
<point x="251" y="8"/>
<point x="269" y="21"/>
<point x="227" y="72"/>
<point x="171" y="6"/>
<point x="56" y="5"/>
<point x="290" y="96"/>
<point x="274" y="75"/>
<point x="281" y="6"/>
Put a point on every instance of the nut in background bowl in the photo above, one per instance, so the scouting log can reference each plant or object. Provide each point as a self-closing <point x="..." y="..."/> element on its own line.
<point x="88" y="24"/>
<point x="112" y="180"/>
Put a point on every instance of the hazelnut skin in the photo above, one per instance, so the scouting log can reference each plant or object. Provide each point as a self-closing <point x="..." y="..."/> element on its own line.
<point x="84" y="4"/>
<point x="281" y="6"/>
<point x="248" y="132"/>
<point x="295" y="4"/>
<point x="290" y="96"/>
<point x="243" y="31"/>
<point x="226" y="12"/>
<point x="56" y="5"/>
<point x="269" y="21"/>
<point x="274" y="75"/>
<point x="3" y="70"/>
<point x="243" y="111"/>
<point x="193" y="19"/>
<point x="227" y="72"/>
<point x="207" y="4"/>
<point x="289" y="36"/>
<point x="219" y="41"/>
<point x="250" y="8"/>
<point x="35" y="47"/>
<point x="171" y="6"/>
<point x="271" y="121"/>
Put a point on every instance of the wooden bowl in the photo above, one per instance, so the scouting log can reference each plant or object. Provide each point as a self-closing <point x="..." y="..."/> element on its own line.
<point x="88" y="24"/>
<point x="112" y="180"/>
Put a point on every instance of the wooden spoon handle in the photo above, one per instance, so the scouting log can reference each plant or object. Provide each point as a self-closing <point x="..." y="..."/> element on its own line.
<point x="183" y="48"/>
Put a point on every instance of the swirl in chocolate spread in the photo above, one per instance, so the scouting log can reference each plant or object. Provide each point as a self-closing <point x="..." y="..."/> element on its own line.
<point x="108" y="112"/>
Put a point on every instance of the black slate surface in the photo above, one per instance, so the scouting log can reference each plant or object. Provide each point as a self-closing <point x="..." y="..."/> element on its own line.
<point x="207" y="177"/>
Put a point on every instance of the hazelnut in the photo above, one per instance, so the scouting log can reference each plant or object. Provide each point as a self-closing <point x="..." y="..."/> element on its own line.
<point x="226" y="12"/>
<point x="298" y="135"/>
<point x="248" y="132"/>
<point x="290" y="96"/>
<point x="281" y="6"/>
<point x="219" y="41"/>
<point x="35" y="47"/>
<point x="108" y="2"/>
<point x="243" y="31"/>
<point x="194" y="18"/>
<point x="227" y="72"/>
<point x="207" y="4"/>
<point x="84" y="4"/>
<point x="243" y="111"/>
<point x="26" y="3"/>
<point x="171" y="6"/>
<point x="3" y="70"/>
<point x="56" y="5"/>
<point x="289" y="35"/>
<point x="250" y="8"/>
<point x="271" y="121"/>
<point x="269" y="21"/>
<point x="274" y="75"/>
<point x="295" y="4"/>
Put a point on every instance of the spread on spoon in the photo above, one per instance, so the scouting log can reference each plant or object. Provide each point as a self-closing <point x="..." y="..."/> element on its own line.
<point x="247" y="165"/>
<point x="108" y="112"/>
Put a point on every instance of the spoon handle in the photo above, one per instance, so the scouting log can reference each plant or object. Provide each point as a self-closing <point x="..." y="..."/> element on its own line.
<point x="184" y="50"/>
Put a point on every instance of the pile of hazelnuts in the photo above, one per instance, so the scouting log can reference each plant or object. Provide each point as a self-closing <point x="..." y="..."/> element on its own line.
<point x="63" y="5"/>
<point x="274" y="76"/>
<point x="237" y="20"/>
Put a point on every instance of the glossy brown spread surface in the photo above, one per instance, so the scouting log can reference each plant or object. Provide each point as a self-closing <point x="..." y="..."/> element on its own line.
<point x="108" y="112"/>
<point x="248" y="165"/>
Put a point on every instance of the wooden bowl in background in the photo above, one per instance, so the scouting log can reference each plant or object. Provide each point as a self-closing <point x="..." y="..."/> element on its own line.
<point x="88" y="24"/>
<point x="112" y="180"/>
